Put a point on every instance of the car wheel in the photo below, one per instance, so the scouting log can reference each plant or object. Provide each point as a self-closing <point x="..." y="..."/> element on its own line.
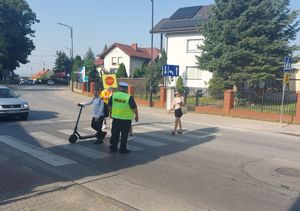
<point x="73" y="138"/>
<point x="24" y="116"/>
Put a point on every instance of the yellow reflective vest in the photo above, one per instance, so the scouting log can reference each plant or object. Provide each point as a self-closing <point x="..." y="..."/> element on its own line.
<point x="120" y="106"/>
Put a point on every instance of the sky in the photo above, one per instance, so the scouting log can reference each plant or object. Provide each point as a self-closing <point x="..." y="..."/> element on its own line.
<point x="97" y="23"/>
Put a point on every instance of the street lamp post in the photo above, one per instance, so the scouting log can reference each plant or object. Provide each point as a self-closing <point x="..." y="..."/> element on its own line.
<point x="151" y="70"/>
<point x="71" y="30"/>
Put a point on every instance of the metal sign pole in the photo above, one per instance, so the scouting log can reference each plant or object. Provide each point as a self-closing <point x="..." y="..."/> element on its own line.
<point x="282" y="100"/>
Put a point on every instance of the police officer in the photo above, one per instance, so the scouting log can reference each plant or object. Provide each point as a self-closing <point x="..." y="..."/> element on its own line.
<point x="123" y="111"/>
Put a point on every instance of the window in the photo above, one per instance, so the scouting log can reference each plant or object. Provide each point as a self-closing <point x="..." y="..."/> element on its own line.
<point x="114" y="61"/>
<point x="192" y="45"/>
<point x="120" y="60"/>
<point x="193" y="73"/>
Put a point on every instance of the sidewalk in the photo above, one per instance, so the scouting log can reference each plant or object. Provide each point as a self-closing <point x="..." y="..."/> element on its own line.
<point x="232" y="122"/>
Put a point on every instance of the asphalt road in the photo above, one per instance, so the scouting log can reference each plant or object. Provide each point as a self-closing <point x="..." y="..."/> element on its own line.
<point x="211" y="166"/>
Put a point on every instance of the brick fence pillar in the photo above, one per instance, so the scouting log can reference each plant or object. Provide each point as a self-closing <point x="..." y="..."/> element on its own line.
<point x="83" y="87"/>
<point x="92" y="87"/>
<point x="228" y="100"/>
<point x="162" y="96"/>
<point x="297" y="117"/>
<point x="131" y="90"/>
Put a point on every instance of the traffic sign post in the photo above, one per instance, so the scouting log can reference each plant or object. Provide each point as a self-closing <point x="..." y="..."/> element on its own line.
<point x="170" y="70"/>
<point x="287" y="67"/>
<point x="287" y="64"/>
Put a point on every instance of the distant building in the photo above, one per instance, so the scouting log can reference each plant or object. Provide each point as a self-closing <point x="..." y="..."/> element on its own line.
<point x="180" y="37"/>
<point x="294" y="82"/>
<point x="132" y="57"/>
<point x="40" y="74"/>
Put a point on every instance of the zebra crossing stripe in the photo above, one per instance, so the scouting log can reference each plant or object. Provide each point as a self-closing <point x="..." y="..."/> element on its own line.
<point x="185" y="137"/>
<point x="70" y="132"/>
<point x="37" y="152"/>
<point x="134" y="148"/>
<point x="146" y="141"/>
<point x="141" y="140"/>
<point x="82" y="150"/>
<point x="45" y="121"/>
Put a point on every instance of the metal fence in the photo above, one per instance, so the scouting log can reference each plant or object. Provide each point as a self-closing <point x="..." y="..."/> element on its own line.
<point x="141" y="90"/>
<point x="204" y="99"/>
<point x="266" y="101"/>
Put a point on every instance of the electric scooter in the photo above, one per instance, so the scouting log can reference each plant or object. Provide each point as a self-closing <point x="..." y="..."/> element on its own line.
<point x="73" y="138"/>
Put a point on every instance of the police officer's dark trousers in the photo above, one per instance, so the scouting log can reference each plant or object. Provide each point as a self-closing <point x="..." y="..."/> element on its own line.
<point x="122" y="127"/>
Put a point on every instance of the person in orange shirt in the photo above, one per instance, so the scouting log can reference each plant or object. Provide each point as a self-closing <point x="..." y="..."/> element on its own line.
<point x="105" y="95"/>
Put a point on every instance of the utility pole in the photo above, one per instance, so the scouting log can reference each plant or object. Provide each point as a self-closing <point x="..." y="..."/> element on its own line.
<point x="151" y="70"/>
<point x="71" y="30"/>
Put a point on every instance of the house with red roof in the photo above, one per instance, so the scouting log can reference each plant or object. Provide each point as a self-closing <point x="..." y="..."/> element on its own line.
<point x="131" y="56"/>
<point x="40" y="74"/>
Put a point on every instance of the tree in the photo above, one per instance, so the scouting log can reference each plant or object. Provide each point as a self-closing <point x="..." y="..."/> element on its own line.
<point x="77" y="64"/>
<point x="179" y="85"/>
<point x="16" y="20"/>
<point x="121" y="72"/>
<point x="156" y="75"/>
<point x="62" y="62"/>
<point x="90" y="55"/>
<point x="139" y="72"/>
<point x="90" y="68"/>
<point x="246" y="41"/>
<point x="105" y="47"/>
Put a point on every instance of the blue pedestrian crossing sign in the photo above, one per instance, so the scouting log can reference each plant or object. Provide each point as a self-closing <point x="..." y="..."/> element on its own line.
<point x="287" y="63"/>
<point x="170" y="70"/>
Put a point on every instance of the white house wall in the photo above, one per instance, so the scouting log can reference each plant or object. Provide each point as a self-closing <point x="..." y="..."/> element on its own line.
<point x="177" y="55"/>
<point x="117" y="53"/>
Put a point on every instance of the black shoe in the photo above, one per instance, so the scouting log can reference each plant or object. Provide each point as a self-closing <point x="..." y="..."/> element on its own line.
<point x="98" y="142"/>
<point x="126" y="151"/>
<point x="179" y="132"/>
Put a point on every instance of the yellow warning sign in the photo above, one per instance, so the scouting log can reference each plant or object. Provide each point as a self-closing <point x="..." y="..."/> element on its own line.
<point x="286" y="78"/>
<point x="109" y="80"/>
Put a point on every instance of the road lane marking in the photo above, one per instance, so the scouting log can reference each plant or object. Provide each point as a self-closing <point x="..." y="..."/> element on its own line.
<point x="37" y="152"/>
<point x="82" y="150"/>
<point x="162" y="135"/>
<point x="146" y="141"/>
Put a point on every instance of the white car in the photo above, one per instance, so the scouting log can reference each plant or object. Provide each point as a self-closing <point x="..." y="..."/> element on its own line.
<point x="50" y="82"/>
<point x="12" y="105"/>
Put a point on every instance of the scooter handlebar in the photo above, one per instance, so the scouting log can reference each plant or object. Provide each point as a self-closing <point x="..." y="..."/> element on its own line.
<point x="80" y="105"/>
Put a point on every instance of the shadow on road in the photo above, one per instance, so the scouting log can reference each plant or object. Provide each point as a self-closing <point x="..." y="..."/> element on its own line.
<point x="296" y="205"/>
<point x="33" y="115"/>
<point x="22" y="174"/>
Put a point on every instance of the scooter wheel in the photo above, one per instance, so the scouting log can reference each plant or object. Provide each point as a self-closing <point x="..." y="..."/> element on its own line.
<point x="73" y="138"/>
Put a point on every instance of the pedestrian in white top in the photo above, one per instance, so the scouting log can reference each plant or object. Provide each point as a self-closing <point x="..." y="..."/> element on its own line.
<point x="98" y="115"/>
<point x="176" y="106"/>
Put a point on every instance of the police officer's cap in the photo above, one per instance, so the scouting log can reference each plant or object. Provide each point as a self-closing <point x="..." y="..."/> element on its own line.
<point x="123" y="84"/>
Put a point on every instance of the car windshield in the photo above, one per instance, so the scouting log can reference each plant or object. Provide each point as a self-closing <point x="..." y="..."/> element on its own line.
<point x="7" y="93"/>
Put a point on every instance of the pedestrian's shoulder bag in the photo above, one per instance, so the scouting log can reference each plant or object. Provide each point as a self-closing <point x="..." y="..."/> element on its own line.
<point x="184" y="109"/>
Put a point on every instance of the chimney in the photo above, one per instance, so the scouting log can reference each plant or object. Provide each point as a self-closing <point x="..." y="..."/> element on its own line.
<point x="134" y="46"/>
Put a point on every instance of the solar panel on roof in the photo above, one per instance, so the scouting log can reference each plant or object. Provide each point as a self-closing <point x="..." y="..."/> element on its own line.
<point x="179" y="24"/>
<point x="186" y="12"/>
